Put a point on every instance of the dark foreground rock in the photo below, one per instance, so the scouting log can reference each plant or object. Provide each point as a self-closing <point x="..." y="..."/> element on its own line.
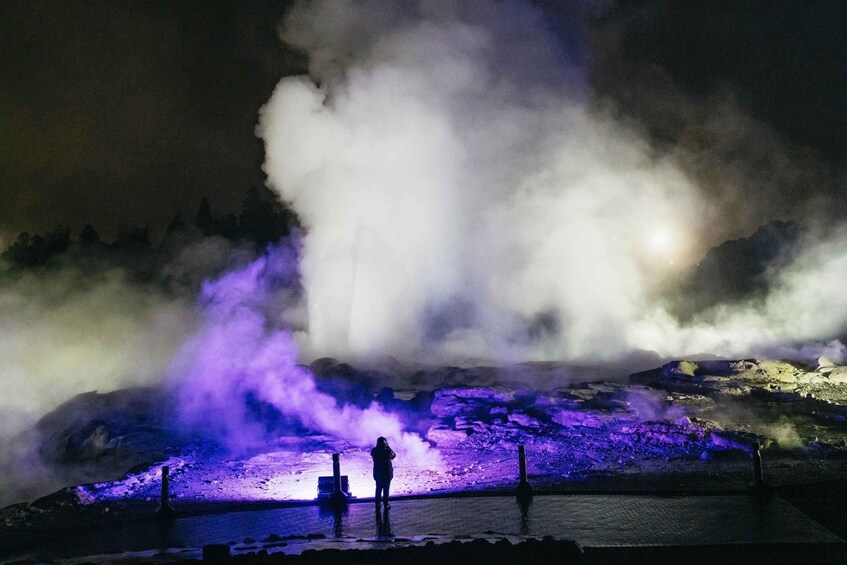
<point x="547" y="550"/>
<point x="551" y="551"/>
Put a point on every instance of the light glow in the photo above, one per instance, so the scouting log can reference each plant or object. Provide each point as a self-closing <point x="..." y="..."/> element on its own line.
<point x="662" y="241"/>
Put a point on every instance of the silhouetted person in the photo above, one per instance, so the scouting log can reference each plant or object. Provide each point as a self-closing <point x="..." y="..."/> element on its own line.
<point x="383" y="469"/>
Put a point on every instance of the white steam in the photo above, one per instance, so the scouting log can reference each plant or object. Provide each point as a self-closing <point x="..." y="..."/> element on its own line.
<point x="806" y="302"/>
<point x="458" y="194"/>
<point x="462" y="200"/>
<point x="70" y="333"/>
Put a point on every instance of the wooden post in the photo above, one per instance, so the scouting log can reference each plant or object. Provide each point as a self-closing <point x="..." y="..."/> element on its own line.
<point x="336" y="473"/>
<point x="522" y="463"/>
<point x="338" y="498"/>
<point x="759" y="489"/>
<point x="524" y="490"/>
<point x="165" y="509"/>
<point x="757" y="465"/>
<point x="165" y="486"/>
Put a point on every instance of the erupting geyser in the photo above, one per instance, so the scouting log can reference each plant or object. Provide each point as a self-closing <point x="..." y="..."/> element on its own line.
<point x="463" y="201"/>
<point x="460" y="199"/>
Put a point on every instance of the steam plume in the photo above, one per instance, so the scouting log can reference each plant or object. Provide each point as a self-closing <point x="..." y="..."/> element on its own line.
<point x="242" y="351"/>
<point x="456" y="190"/>
<point x="463" y="201"/>
<point x="71" y="333"/>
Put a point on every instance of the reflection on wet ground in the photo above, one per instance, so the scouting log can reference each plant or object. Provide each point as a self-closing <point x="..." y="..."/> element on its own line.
<point x="591" y="520"/>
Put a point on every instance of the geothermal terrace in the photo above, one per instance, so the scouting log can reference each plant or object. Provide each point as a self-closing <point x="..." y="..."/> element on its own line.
<point x="687" y="427"/>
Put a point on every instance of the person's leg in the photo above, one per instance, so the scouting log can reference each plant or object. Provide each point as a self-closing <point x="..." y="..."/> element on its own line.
<point x="378" y="492"/>
<point x="382" y="491"/>
<point x="385" y="488"/>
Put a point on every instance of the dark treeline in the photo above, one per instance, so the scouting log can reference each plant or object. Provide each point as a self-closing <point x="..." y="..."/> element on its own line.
<point x="261" y="221"/>
<point x="735" y="272"/>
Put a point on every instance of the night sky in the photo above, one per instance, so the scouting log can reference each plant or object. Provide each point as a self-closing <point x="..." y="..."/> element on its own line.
<point x="128" y="112"/>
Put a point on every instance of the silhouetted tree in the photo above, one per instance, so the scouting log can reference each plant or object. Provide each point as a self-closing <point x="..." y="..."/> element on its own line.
<point x="256" y="218"/>
<point x="19" y="251"/>
<point x="89" y="236"/>
<point x="204" y="220"/>
<point x="132" y="238"/>
<point x="228" y="226"/>
<point x="178" y="234"/>
<point x="37" y="250"/>
<point x="177" y="225"/>
<point x="264" y="219"/>
<point x="57" y="241"/>
<point x="22" y="242"/>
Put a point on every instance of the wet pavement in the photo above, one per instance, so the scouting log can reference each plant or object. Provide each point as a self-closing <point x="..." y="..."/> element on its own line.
<point x="591" y="520"/>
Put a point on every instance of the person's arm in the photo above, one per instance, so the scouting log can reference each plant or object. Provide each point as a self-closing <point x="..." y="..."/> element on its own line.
<point x="391" y="454"/>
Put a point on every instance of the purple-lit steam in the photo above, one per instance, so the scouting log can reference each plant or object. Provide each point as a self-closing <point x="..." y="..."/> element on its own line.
<point x="241" y="351"/>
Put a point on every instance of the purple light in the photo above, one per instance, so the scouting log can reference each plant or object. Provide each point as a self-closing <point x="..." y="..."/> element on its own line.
<point x="239" y="351"/>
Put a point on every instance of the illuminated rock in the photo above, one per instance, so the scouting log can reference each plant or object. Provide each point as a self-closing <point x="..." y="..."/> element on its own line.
<point x="577" y="418"/>
<point x="442" y="436"/>
<point x="452" y="402"/>
<point x="837" y="376"/>
<point x="523" y="420"/>
<point x="824" y="365"/>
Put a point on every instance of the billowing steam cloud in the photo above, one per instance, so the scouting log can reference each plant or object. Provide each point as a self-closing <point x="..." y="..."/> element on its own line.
<point x="455" y="188"/>
<point x="65" y="332"/>
<point x="806" y="302"/>
<point x="462" y="200"/>
<point x="241" y="352"/>
<point x="71" y="333"/>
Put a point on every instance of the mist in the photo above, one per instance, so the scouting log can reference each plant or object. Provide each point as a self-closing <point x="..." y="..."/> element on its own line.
<point x="93" y="319"/>
<point x="73" y="332"/>
<point x="459" y="197"/>
<point x="801" y="317"/>
<point x="65" y="332"/>
<point x="244" y="349"/>
<point x="465" y="200"/>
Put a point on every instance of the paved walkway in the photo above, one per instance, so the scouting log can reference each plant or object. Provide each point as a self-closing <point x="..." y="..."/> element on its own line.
<point x="591" y="520"/>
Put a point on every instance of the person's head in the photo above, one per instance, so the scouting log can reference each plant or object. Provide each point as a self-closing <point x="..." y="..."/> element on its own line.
<point x="381" y="442"/>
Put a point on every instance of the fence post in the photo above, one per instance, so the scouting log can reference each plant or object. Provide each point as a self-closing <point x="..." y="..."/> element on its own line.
<point x="338" y="498"/>
<point x="757" y="465"/>
<point x="524" y="490"/>
<point x="165" y="509"/>
<point x="759" y="489"/>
